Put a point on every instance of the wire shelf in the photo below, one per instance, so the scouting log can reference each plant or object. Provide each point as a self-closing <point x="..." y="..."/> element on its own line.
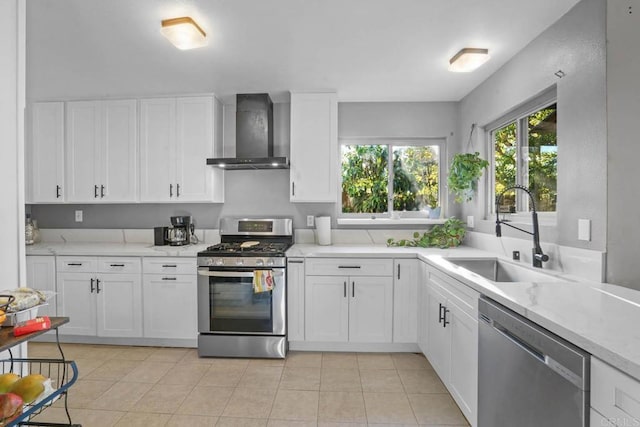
<point x="63" y="374"/>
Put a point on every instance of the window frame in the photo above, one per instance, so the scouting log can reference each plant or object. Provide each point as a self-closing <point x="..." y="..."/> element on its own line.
<point x="390" y="142"/>
<point x="519" y="116"/>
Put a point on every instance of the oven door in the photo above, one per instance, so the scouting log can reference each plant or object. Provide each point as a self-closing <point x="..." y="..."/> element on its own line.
<point x="228" y="305"/>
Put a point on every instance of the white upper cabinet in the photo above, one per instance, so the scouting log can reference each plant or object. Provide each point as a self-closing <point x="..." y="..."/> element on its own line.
<point x="314" y="147"/>
<point x="101" y="151"/>
<point x="45" y="154"/>
<point x="177" y="135"/>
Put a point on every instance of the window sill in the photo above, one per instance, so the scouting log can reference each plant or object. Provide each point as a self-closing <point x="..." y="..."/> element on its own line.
<point x="389" y="221"/>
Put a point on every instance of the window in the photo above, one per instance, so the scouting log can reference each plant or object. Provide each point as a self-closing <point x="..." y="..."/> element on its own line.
<point x="526" y="153"/>
<point x="411" y="174"/>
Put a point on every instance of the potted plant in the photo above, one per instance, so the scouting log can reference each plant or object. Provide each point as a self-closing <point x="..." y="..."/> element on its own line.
<point x="434" y="209"/>
<point x="465" y="170"/>
<point x="447" y="235"/>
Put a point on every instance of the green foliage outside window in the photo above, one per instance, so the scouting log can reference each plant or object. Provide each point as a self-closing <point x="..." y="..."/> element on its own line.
<point x="541" y="160"/>
<point x="365" y="178"/>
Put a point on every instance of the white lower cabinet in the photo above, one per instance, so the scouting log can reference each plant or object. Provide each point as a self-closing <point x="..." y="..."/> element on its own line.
<point x="101" y="296"/>
<point x="452" y="346"/>
<point x="349" y="309"/>
<point x="406" y="274"/>
<point x="41" y="275"/>
<point x="423" y="309"/>
<point x="615" y="396"/>
<point x="170" y="300"/>
<point x="295" y="299"/>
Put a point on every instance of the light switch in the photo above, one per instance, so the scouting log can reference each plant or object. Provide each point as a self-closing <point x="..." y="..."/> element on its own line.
<point x="584" y="229"/>
<point x="310" y="220"/>
<point x="78" y="216"/>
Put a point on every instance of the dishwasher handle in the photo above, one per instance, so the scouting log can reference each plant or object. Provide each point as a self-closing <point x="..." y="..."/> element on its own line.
<point x="523" y="345"/>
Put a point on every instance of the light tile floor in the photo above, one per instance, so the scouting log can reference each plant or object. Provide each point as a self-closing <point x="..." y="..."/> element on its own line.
<point x="151" y="386"/>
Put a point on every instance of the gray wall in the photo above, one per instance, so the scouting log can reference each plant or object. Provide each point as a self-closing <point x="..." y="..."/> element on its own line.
<point x="623" y="106"/>
<point x="575" y="44"/>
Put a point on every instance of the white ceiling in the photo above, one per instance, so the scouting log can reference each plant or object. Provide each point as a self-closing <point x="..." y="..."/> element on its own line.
<point x="367" y="50"/>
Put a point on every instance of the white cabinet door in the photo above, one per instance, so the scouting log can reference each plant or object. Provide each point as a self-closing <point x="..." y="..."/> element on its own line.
<point x="194" y="144"/>
<point x="423" y="310"/>
<point x="371" y="309"/>
<point x="170" y="306"/>
<point x="405" y="300"/>
<point x="598" y="420"/>
<point x="118" y="153"/>
<point x="157" y="149"/>
<point x="45" y="153"/>
<point x="83" y="132"/>
<point x="77" y="302"/>
<point x="295" y="299"/>
<point x="463" y="382"/>
<point x="314" y="147"/>
<point x="439" y="345"/>
<point x="119" y="305"/>
<point x="326" y="309"/>
<point x="41" y="275"/>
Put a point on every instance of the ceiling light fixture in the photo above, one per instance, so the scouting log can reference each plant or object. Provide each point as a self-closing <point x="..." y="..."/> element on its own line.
<point x="184" y="33"/>
<point x="468" y="59"/>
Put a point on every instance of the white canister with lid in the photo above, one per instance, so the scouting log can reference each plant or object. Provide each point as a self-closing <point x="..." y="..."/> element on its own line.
<point x="323" y="230"/>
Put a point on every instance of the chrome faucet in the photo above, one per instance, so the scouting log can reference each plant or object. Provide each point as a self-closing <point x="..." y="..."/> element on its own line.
<point x="538" y="256"/>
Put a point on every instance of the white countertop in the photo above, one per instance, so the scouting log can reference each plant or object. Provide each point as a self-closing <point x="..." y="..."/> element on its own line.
<point x="602" y="319"/>
<point x="113" y="249"/>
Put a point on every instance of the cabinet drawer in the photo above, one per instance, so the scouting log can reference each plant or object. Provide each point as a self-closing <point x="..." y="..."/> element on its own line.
<point x="466" y="298"/>
<point x="349" y="267"/>
<point x="76" y="264"/>
<point x="119" y="265"/>
<point x="169" y="265"/>
<point x="615" y="394"/>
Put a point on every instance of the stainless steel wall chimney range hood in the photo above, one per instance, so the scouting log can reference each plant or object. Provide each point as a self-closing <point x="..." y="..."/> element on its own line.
<point x="254" y="136"/>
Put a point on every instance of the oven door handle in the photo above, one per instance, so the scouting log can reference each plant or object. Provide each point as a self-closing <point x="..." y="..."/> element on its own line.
<point x="209" y="273"/>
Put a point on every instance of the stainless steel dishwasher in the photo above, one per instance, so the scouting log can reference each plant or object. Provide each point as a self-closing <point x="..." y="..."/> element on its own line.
<point x="527" y="376"/>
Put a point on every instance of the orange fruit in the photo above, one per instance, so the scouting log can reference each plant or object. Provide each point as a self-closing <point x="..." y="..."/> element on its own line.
<point x="3" y="317"/>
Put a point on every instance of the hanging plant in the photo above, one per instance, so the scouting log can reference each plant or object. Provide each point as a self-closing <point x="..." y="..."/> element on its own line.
<point x="465" y="170"/>
<point x="447" y="235"/>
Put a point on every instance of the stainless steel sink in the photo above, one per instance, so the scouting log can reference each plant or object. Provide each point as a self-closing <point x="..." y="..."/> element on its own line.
<point x="498" y="270"/>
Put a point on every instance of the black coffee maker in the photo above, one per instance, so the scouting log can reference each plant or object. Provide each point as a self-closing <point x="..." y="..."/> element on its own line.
<point x="180" y="233"/>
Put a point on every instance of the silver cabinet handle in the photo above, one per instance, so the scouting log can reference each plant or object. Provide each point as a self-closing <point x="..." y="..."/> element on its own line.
<point x="117" y="265"/>
<point x="169" y="266"/>
<point x="177" y="190"/>
<point x="293" y="188"/>
<point x="169" y="278"/>
<point x="293" y="261"/>
<point x="75" y="264"/>
<point x="353" y="289"/>
<point x="58" y="191"/>
<point x="170" y="190"/>
<point x="345" y="288"/>
<point x="95" y="191"/>
<point x="398" y="271"/>
<point x="97" y="286"/>
<point x="92" y="288"/>
<point x="101" y="191"/>
<point x="349" y="266"/>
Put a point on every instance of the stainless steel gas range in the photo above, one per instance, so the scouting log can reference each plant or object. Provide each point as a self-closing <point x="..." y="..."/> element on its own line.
<point x="242" y="290"/>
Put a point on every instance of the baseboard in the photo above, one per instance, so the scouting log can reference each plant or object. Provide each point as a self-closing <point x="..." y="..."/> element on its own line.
<point x="358" y="347"/>
<point x="145" y="342"/>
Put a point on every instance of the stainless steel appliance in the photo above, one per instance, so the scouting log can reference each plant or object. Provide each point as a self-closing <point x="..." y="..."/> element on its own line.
<point x="254" y="136"/>
<point x="233" y="319"/>
<point x="527" y="376"/>
<point x="180" y="233"/>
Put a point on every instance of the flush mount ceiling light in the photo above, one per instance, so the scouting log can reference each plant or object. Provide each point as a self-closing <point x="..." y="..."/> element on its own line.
<point x="468" y="59"/>
<point x="184" y="33"/>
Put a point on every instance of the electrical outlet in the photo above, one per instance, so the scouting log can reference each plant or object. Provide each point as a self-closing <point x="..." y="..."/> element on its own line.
<point x="470" y="222"/>
<point x="310" y="220"/>
<point x="78" y="216"/>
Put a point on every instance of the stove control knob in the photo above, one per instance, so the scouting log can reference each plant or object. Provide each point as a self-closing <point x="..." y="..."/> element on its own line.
<point x="259" y="262"/>
<point x="270" y="261"/>
<point x="239" y="262"/>
<point x="219" y="261"/>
